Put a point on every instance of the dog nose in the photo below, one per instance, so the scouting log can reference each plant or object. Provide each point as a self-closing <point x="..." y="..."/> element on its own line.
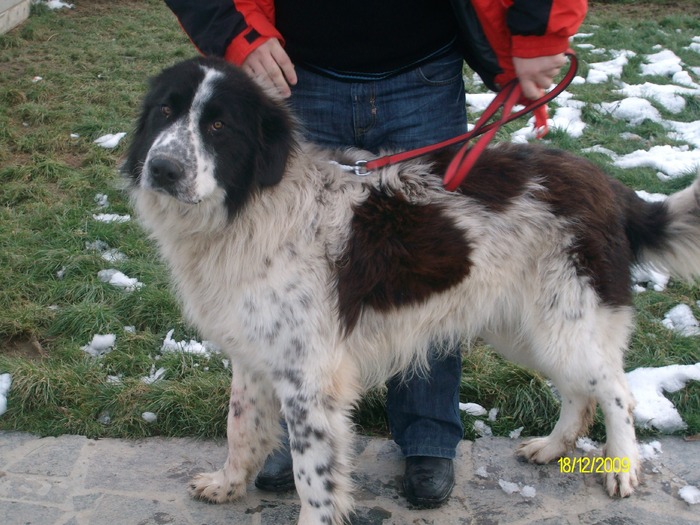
<point x="165" y="172"/>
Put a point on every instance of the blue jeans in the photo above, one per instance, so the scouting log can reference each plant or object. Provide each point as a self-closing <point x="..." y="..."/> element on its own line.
<point x="415" y="108"/>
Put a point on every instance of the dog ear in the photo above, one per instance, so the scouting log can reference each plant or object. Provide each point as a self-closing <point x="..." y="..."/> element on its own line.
<point x="276" y="143"/>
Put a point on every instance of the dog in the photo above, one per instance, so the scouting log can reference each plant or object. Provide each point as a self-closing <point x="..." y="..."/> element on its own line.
<point x="321" y="284"/>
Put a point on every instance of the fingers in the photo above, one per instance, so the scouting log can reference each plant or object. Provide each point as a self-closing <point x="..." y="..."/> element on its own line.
<point x="270" y="65"/>
<point x="537" y="74"/>
<point x="284" y="64"/>
<point x="531" y="89"/>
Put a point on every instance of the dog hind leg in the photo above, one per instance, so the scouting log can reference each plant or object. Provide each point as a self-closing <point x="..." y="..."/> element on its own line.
<point x="583" y="358"/>
<point x="577" y="405"/>
<point x="617" y="403"/>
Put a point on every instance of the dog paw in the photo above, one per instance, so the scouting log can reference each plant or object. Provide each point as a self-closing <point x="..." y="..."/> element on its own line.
<point x="621" y="484"/>
<point x="216" y="487"/>
<point x="541" y="450"/>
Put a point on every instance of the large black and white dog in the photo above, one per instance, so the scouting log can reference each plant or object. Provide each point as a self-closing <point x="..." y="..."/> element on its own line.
<point x="321" y="284"/>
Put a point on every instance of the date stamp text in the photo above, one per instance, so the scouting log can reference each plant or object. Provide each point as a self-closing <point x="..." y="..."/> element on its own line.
<point x="594" y="465"/>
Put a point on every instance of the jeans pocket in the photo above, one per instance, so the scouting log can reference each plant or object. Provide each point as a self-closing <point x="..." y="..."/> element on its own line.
<point x="442" y="71"/>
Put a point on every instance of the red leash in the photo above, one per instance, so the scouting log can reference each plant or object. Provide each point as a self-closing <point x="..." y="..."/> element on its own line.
<point x="465" y="158"/>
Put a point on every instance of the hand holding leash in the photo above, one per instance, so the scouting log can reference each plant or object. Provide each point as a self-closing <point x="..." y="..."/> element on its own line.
<point x="506" y="99"/>
<point x="537" y="74"/>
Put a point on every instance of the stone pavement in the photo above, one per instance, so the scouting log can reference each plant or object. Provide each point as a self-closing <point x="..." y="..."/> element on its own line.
<point x="72" y="480"/>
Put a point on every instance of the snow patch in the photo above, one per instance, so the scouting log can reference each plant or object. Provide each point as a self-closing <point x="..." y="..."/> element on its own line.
<point x="653" y="409"/>
<point x="473" y="409"/>
<point x="205" y="348"/>
<point x="5" y="383"/>
<point x="118" y="279"/>
<point x="100" y="345"/>
<point x="680" y="319"/>
<point x="110" y="141"/>
<point x="587" y="445"/>
<point x="512" y="488"/>
<point x="111" y="217"/>
<point x="649" y="450"/>
<point x="690" y="494"/>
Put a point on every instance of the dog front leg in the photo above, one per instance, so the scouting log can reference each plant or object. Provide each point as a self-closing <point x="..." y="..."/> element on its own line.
<point x="252" y="431"/>
<point x="317" y="408"/>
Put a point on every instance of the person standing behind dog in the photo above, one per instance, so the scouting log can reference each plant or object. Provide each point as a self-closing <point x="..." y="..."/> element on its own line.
<point x="381" y="75"/>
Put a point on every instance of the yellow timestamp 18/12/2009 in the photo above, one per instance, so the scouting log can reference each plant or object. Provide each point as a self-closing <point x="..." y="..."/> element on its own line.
<point x="594" y="465"/>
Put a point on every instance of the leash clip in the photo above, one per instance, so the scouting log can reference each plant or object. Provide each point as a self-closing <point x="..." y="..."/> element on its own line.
<point x="359" y="168"/>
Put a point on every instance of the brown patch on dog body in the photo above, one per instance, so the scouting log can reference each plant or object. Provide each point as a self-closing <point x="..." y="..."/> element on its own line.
<point x="580" y="191"/>
<point x="645" y="225"/>
<point x="498" y="177"/>
<point x="399" y="253"/>
<point x="574" y="189"/>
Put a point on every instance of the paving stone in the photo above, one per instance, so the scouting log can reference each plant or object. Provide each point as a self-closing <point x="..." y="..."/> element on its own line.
<point x="71" y="480"/>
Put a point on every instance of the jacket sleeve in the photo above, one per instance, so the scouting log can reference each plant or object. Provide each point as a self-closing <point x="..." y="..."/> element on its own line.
<point x="543" y="27"/>
<point x="231" y="29"/>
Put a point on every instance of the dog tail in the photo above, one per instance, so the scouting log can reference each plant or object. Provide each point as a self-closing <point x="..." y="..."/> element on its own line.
<point x="666" y="235"/>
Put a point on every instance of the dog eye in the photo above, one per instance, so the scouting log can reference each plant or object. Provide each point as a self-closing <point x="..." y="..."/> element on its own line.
<point x="217" y="125"/>
<point x="166" y="110"/>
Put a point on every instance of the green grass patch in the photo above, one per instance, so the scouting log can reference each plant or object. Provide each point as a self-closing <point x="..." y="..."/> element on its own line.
<point x="94" y="62"/>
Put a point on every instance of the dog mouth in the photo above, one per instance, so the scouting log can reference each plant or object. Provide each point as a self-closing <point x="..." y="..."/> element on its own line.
<point x="179" y="194"/>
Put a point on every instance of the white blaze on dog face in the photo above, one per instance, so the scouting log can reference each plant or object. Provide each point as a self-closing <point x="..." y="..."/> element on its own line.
<point x="182" y="144"/>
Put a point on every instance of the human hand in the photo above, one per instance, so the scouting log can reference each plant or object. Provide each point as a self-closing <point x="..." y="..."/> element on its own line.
<point x="270" y="65"/>
<point x="537" y="74"/>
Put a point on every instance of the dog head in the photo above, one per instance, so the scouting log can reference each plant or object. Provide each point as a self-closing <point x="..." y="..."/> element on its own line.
<point x="205" y="129"/>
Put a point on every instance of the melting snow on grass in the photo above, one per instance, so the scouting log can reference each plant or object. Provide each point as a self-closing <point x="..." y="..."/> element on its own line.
<point x="680" y="319"/>
<point x="5" y="382"/>
<point x="100" y="345"/>
<point x="149" y="417"/>
<point x="111" y="217"/>
<point x="473" y="409"/>
<point x="648" y="385"/>
<point x="118" y="279"/>
<point x="107" y="253"/>
<point x="205" y="348"/>
<point x="111" y="140"/>
<point x="154" y="375"/>
<point x="102" y="200"/>
<point x="56" y="4"/>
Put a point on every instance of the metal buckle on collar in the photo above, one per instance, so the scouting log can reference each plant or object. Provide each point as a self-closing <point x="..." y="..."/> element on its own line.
<point x="359" y="168"/>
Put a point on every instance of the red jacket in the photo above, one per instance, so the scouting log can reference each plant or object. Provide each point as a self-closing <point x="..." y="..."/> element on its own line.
<point x="493" y="31"/>
<point x="227" y="28"/>
<point x="259" y="16"/>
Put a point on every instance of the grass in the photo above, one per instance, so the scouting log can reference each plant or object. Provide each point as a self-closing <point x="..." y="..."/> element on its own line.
<point x="94" y="62"/>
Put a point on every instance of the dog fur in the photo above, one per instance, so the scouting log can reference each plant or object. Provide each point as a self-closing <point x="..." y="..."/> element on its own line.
<point x="321" y="284"/>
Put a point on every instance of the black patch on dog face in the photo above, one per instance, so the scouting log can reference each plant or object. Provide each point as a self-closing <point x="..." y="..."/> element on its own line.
<point x="175" y="88"/>
<point x="249" y="135"/>
<point x="398" y="254"/>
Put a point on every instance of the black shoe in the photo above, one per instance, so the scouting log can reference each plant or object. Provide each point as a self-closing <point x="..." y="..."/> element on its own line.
<point x="277" y="474"/>
<point x="428" y="481"/>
